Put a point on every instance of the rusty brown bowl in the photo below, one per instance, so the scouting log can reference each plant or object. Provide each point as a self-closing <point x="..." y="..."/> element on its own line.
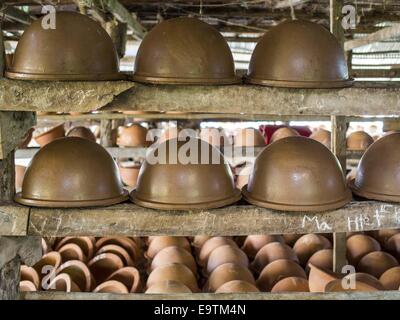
<point x="204" y="182"/>
<point x="371" y="181"/>
<point x="253" y="243"/>
<point x="79" y="273"/>
<point x="237" y="286"/>
<point x="321" y="259"/>
<point x="309" y="244"/>
<point x="323" y="136"/>
<point x="72" y="172"/>
<point x="161" y="242"/>
<point x="358" y="246"/>
<point x="81" y="132"/>
<point x="72" y="251"/>
<point x="376" y="263"/>
<point x="77" y="49"/>
<point x="129" y="244"/>
<point x="111" y="286"/>
<point x="50" y="135"/>
<point x="299" y="54"/>
<point x="359" y="141"/>
<point x="168" y="286"/>
<point x="129" y="276"/>
<point x="184" y="51"/>
<point x="390" y="279"/>
<point x="248" y="137"/>
<point x="134" y="135"/>
<point x="291" y="284"/>
<point x="297" y="174"/>
<point x="283" y="132"/>
<point x="119" y="251"/>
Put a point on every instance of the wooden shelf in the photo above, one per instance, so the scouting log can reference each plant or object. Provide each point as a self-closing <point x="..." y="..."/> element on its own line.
<point x="13" y="220"/>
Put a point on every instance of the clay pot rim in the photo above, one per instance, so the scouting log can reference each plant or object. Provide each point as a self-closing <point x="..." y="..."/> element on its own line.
<point x="133" y="271"/>
<point x="363" y="285"/>
<point x="186" y="206"/>
<point x="76" y="248"/>
<point x="300" y="208"/>
<point x="372" y="195"/>
<point x="71" y="204"/>
<point x="82" y="268"/>
<point x="49" y="131"/>
<point x="114" y="283"/>
<point x="142" y="77"/>
<point x="65" y="77"/>
<point x="300" y="84"/>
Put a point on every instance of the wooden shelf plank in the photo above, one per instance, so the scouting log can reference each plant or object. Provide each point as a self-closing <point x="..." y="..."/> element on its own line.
<point x="131" y="220"/>
<point x="13" y="220"/>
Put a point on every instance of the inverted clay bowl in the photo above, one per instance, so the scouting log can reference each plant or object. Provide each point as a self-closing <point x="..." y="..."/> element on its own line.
<point x="390" y="279"/>
<point x="119" y="251"/>
<point x="46" y="267"/>
<point x="81" y="132"/>
<point x="129" y="244"/>
<point x="360" y="245"/>
<point x="159" y="243"/>
<point x="174" y="176"/>
<point x="237" y="286"/>
<point x="290" y="239"/>
<point x="291" y="284"/>
<point x="50" y="135"/>
<point x="248" y="137"/>
<point x="283" y="132"/>
<point x="31" y="275"/>
<point x="77" y="49"/>
<point x="64" y="283"/>
<point x="168" y="286"/>
<point x="184" y="51"/>
<point x="321" y="259"/>
<point x="323" y="136"/>
<point x="111" y="286"/>
<point x="87" y="244"/>
<point x="376" y="263"/>
<point x="174" y="254"/>
<point x="210" y="245"/>
<point x="72" y="172"/>
<point x="297" y="174"/>
<point x="372" y="182"/>
<point x="226" y="254"/>
<point x="72" y="251"/>
<point x="359" y="141"/>
<point x="254" y="243"/>
<point x="309" y="244"/>
<point x="299" y="54"/>
<point x="104" y="265"/>
<point x="134" y="135"/>
<point x="393" y="245"/>
<point x="319" y="278"/>
<point x="129" y="276"/>
<point x="358" y="286"/>
<point x="79" y="273"/>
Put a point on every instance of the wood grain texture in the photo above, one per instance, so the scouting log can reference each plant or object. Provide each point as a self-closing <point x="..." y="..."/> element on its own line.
<point x="13" y="220"/>
<point x="9" y="279"/>
<point x="7" y="178"/>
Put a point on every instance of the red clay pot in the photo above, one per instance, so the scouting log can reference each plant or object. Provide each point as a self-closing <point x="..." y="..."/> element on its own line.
<point x="31" y="275"/>
<point x="50" y="135"/>
<point x="210" y="245"/>
<point x="226" y="254"/>
<point x="309" y="244"/>
<point x="360" y="245"/>
<point x="291" y="284"/>
<point x="390" y="279"/>
<point x="376" y="263"/>
<point x="174" y="254"/>
<point x="237" y="286"/>
<point x="79" y="273"/>
<point x="63" y="282"/>
<point x="72" y="251"/>
<point x="104" y="265"/>
<point x="161" y="242"/>
<point x="129" y="276"/>
<point x="168" y="286"/>
<point x="119" y="251"/>
<point x="254" y="243"/>
<point x="111" y="286"/>
<point x="85" y="243"/>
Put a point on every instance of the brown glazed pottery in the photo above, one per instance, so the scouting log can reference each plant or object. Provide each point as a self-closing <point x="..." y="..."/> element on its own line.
<point x="27" y="286"/>
<point x="376" y="263"/>
<point x="87" y="244"/>
<point x="64" y="283"/>
<point x="319" y="278"/>
<point x="81" y="132"/>
<point x="26" y="139"/>
<point x="129" y="276"/>
<point x="119" y="251"/>
<point x="321" y="259"/>
<point x="291" y="284"/>
<point x="210" y="245"/>
<point x="271" y="252"/>
<point x="371" y="181"/>
<point x="278" y="270"/>
<point x="174" y="254"/>
<point x="19" y="176"/>
<point x="254" y="243"/>
<point x="297" y="174"/>
<point x="129" y="174"/>
<point x="323" y="136"/>
<point x="237" y="286"/>
<point x="77" y="49"/>
<point x="390" y="279"/>
<point x="226" y="254"/>
<point x="104" y="265"/>
<point x="72" y="172"/>
<point x="111" y="286"/>
<point x="184" y="51"/>
<point x="161" y="242"/>
<point x="359" y="141"/>
<point x="166" y="178"/>
<point x="79" y="273"/>
<point x="360" y="245"/>
<point x="133" y="136"/>
<point x="130" y="245"/>
<point x="299" y="54"/>
<point x="72" y="251"/>
<point x="225" y="273"/>
<point x="50" y="135"/>
<point x="31" y="275"/>
<point x="168" y="286"/>
<point x="283" y="133"/>
<point x="248" y="137"/>
<point x="173" y="271"/>
<point x="309" y="244"/>
<point x="393" y="246"/>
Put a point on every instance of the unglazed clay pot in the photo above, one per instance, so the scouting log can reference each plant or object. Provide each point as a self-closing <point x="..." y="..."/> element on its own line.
<point x="27" y="286"/>
<point x="322" y="259"/>
<point x="297" y="174"/>
<point x="162" y="242"/>
<point x="103" y="265"/>
<point x="174" y="254"/>
<point x="278" y="270"/>
<point x="393" y="245"/>
<point x="291" y="284"/>
<point x="225" y="273"/>
<point x="367" y="279"/>
<point x="210" y="245"/>
<point x="323" y="136"/>
<point x="384" y="235"/>
<point x="237" y="286"/>
<point x="111" y="286"/>
<point x="79" y="273"/>
<point x="129" y="276"/>
<point x="299" y="54"/>
<point x="50" y="135"/>
<point x="119" y="251"/>
<point x="129" y="174"/>
<point x="390" y="279"/>
<point x="271" y="252"/>
<point x="290" y="239"/>
<point x="283" y="132"/>
<point x="309" y="244"/>
<point x="63" y="282"/>
<point x="72" y="251"/>
<point x="81" y="132"/>
<point x="226" y="254"/>
<point x="376" y="263"/>
<point x="248" y="137"/>
<point x="254" y="243"/>
<point x="85" y="243"/>
<point x="134" y="135"/>
<point x="319" y="278"/>
<point x="19" y="177"/>
<point x="198" y="242"/>
<point x="337" y="286"/>
<point x="359" y="141"/>
<point x="355" y="282"/>
<point x="127" y="243"/>
<point x="168" y="286"/>
<point x="360" y="245"/>
<point x="31" y="275"/>
<point x="200" y="55"/>
<point x="173" y="271"/>
<point x="46" y="267"/>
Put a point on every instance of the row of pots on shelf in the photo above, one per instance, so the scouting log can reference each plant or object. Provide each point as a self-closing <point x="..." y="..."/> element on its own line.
<point x="296" y="53"/>
<point x="280" y="263"/>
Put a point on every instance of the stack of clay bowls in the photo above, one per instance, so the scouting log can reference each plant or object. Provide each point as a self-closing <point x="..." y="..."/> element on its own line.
<point x="81" y="132"/>
<point x="359" y="141"/>
<point x="171" y="266"/>
<point x="50" y="135"/>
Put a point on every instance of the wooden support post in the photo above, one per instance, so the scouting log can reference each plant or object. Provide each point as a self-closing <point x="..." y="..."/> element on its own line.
<point x="336" y="19"/>
<point x="7" y="178"/>
<point x="106" y="132"/>
<point x="118" y="33"/>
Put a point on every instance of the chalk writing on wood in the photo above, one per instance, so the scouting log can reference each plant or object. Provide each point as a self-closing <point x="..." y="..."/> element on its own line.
<point x="320" y="225"/>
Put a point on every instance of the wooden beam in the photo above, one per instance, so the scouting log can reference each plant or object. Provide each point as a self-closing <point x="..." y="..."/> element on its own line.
<point x="13" y="220"/>
<point x="16" y="14"/>
<point x="289" y="3"/>
<point x="7" y="178"/>
<point x="118" y="34"/>
<point x="2" y="54"/>
<point x="335" y="14"/>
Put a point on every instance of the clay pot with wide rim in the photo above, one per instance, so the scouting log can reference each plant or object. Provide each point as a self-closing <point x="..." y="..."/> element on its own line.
<point x="237" y="286"/>
<point x="129" y="174"/>
<point x="111" y="286"/>
<point x="309" y="244"/>
<point x="319" y="278"/>
<point x="226" y="254"/>
<point x="359" y="141"/>
<point x="210" y="245"/>
<point x="323" y="136"/>
<point x="390" y="279"/>
<point x="103" y="265"/>
<point x="30" y="274"/>
<point x="72" y="172"/>
<point x="81" y="132"/>
<point x="297" y="174"/>
<point x="79" y="273"/>
<point x="360" y="245"/>
<point x="291" y="284"/>
<point x="283" y="132"/>
<point x="159" y="243"/>
<point x="130" y="245"/>
<point x="134" y="135"/>
<point x="299" y="54"/>
<point x="87" y="244"/>
<point x="63" y="282"/>
<point x="168" y="286"/>
<point x="376" y="263"/>
<point x="174" y="254"/>
<point x="129" y="276"/>
<point x="253" y="243"/>
<point x="50" y="135"/>
<point x="248" y="137"/>
<point x="184" y="51"/>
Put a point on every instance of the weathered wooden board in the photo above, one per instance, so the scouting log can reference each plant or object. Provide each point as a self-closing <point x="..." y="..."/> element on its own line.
<point x="13" y="220"/>
<point x="379" y="295"/>
<point x="129" y="219"/>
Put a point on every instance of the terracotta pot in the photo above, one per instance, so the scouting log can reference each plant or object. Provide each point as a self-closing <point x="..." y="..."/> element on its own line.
<point x="290" y="239"/>
<point x="119" y="251"/>
<point x="291" y="284"/>
<point x="226" y="254"/>
<point x="355" y="282"/>
<point x="242" y="175"/>
<point x="129" y="276"/>
<point x="390" y="279"/>
<point x="278" y="270"/>
<point x="254" y="243"/>
<point x="26" y="139"/>
<point x="134" y="135"/>
<point x="393" y="246"/>
<point x="271" y="252"/>
<point x="174" y="254"/>
<point x="337" y="286"/>
<point x="27" y="286"/>
<point x="309" y="244"/>
<point x="283" y="132"/>
<point x="79" y="273"/>
<point x="359" y="141"/>
<point x="297" y="174"/>
<point x="198" y="242"/>
<point x="299" y="54"/>
<point x="85" y="243"/>
<point x="322" y="259"/>
<point x="384" y="235"/>
<point x="31" y="275"/>
<point x="103" y="265"/>
<point x="19" y="177"/>
<point x="176" y="272"/>
<point x="129" y="174"/>
<point x="319" y="278"/>
<point x="72" y="251"/>
<point x="360" y="245"/>
<point x="210" y="245"/>
<point x="63" y="282"/>
<point x="81" y="132"/>
<point x="162" y="242"/>
<point x="46" y="267"/>
<point x="237" y="286"/>
<point x="225" y="273"/>
<point x="323" y="136"/>
<point x="125" y="242"/>
<point x="111" y="286"/>
<point x="376" y="263"/>
<point x="45" y="246"/>
<point x="168" y="286"/>
<point x="248" y="137"/>
<point x="50" y="135"/>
